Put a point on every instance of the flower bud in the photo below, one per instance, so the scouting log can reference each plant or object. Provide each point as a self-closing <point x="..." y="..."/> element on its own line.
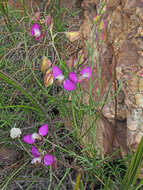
<point x="46" y="63"/>
<point x="72" y="36"/>
<point x="48" y="78"/>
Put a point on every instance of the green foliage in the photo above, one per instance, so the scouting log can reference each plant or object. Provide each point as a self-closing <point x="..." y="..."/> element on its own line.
<point x="35" y="104"/>
<point x="134" y="169"/>
<point x="15" y="84"/>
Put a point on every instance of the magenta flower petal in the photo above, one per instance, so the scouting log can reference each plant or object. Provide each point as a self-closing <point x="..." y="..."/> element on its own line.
<point x="69" y="85"/>
<point x="28" y="139"/>
<point x="73" y="77"/>
<point x="35" y="152"/>
<point x="86" y="72"/>
<point x="43" y="130"/>
<point x="57" y="73"/>
<point x="48" y="159"/>
<point x="35" y="30"/>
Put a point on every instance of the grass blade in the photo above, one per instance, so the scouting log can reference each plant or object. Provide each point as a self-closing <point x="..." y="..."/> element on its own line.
<point x="19" y="106"/>
<point x="139" y="185"/>
<point x="133" y="169"/>
<point x="78" y="178"/>
<point x="18" y="86"/>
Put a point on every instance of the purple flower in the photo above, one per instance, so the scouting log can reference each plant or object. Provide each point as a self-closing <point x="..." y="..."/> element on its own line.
<point x="48" y="159"/>
<point x="35" y="151"/>
<point x="38" y="157"/>
<point x="35" y="31"/>
<point x="86" y="72"/>
<point x="57" y="73"/>
<point x="30" y="138"/>
<point x="69" y="85"/>
<point x="73" y="77"/>
<point x="43" y="130"/>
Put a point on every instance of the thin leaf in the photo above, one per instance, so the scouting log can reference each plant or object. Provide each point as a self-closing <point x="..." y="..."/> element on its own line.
<point x="19" y="106"/>
<point x="133" y="169"/>
<point x="139" y="185"/>
<point x="78" y="178"/>
<point x="18" y="86"/>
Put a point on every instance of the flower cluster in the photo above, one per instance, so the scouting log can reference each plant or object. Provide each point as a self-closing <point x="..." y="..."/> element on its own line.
<point x="69" y="84"/>
<point x="15" y="132"/>
<point x="50" y="73"/>
<point x="39" y="155"/>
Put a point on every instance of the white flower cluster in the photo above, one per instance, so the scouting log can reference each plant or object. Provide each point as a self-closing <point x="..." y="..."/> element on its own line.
<point x="15" y="132"/>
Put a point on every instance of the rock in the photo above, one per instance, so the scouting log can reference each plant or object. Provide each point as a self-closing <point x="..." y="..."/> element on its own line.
<point x="121" y="61"/>
<point x="122" y="48"/>
<point x="112" y="3"/>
